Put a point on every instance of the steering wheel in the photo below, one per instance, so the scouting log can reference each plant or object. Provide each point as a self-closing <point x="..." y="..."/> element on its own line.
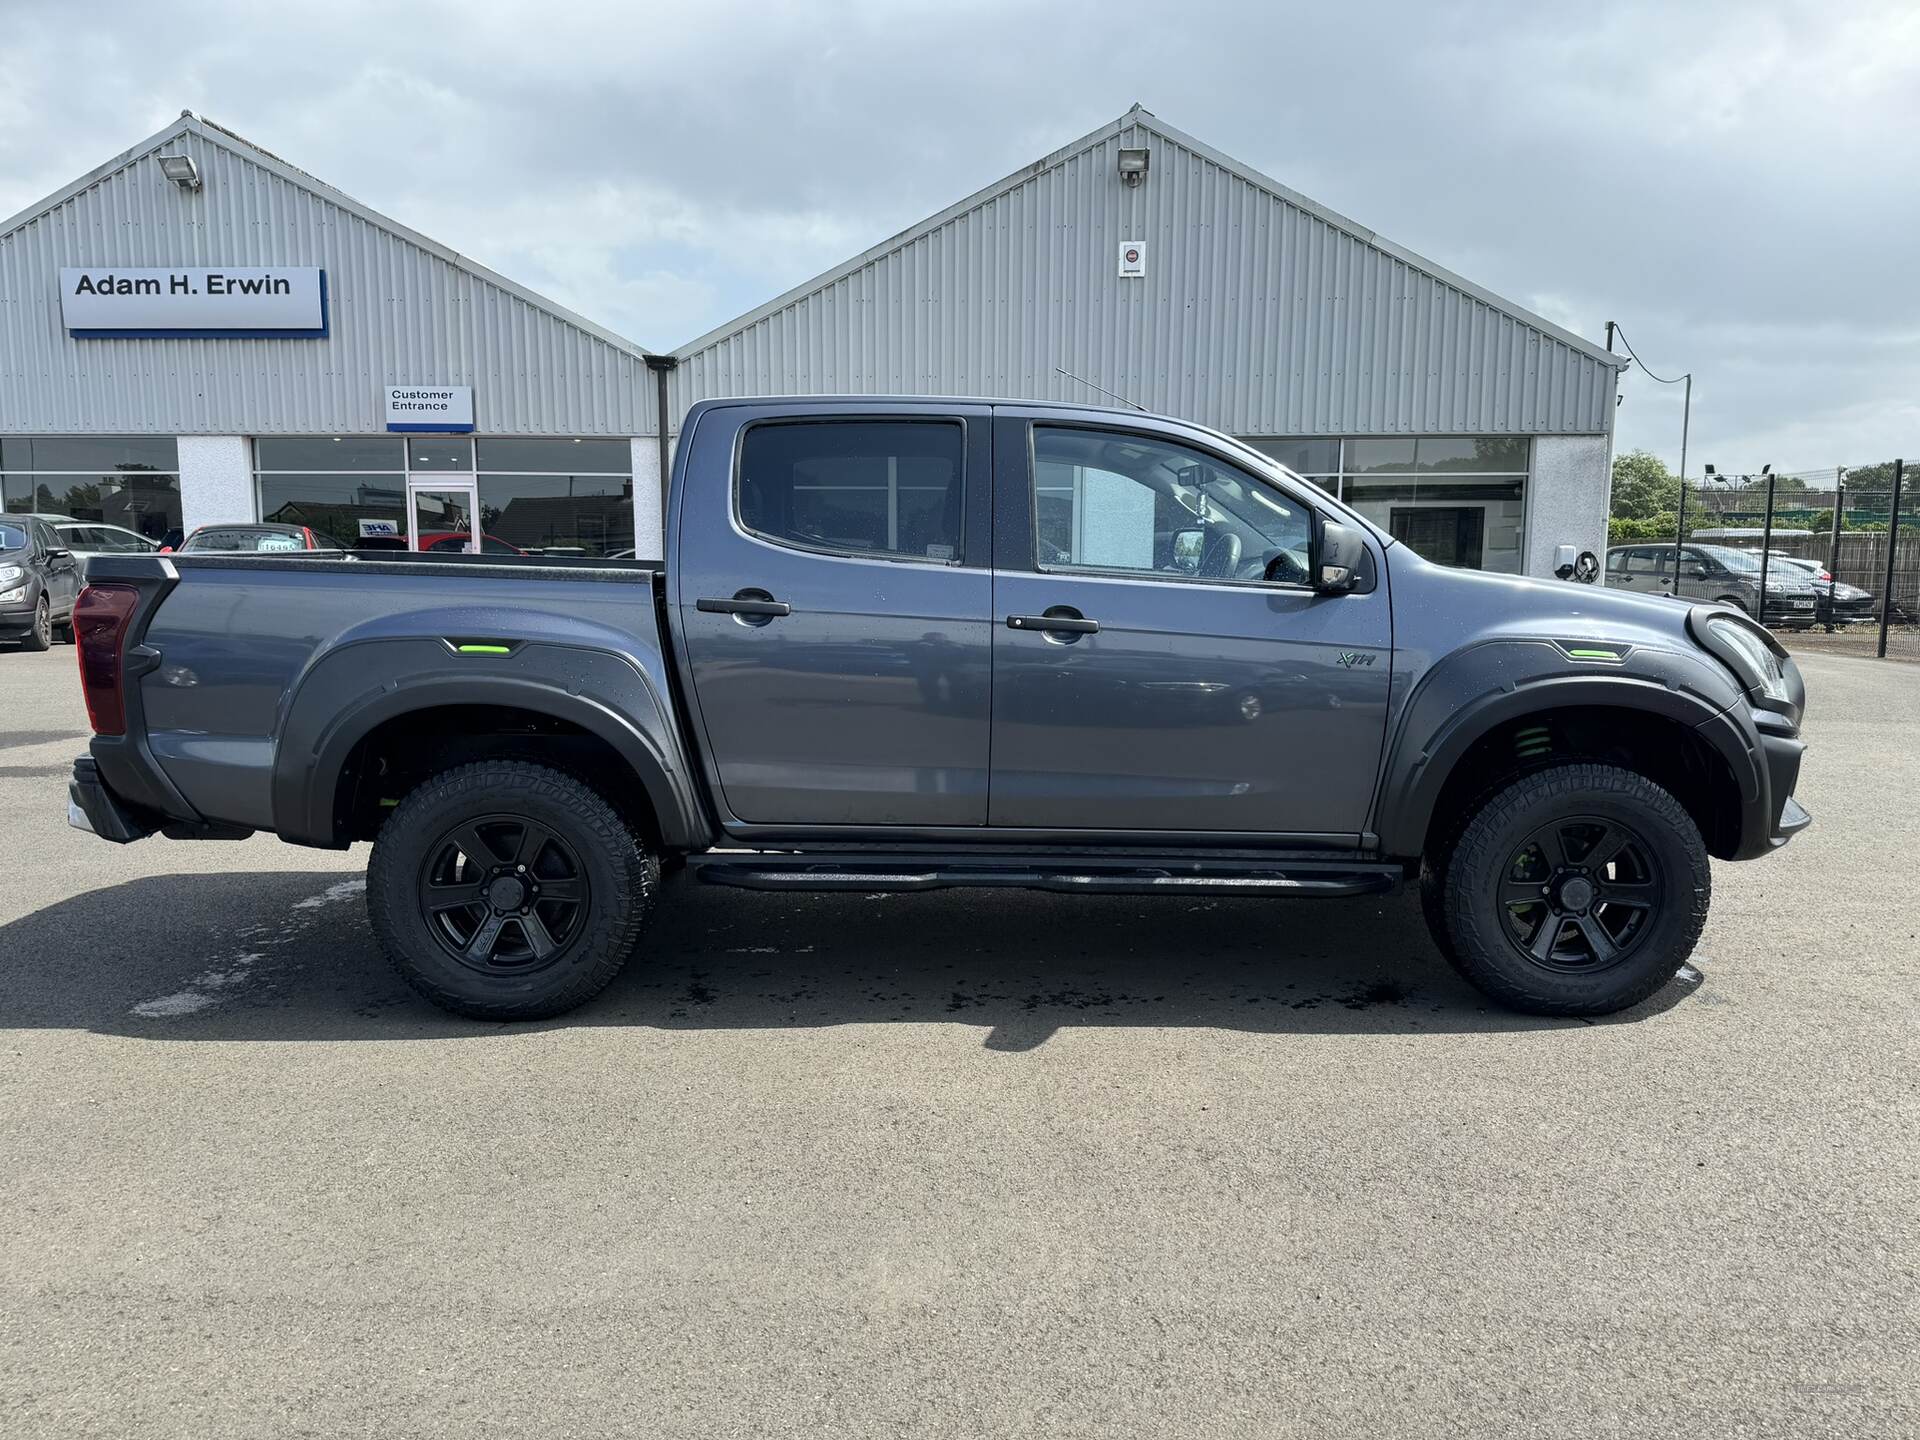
<point x="1220" y="557"/>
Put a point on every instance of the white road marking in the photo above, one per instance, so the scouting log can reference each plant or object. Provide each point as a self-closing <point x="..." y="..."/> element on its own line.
<point x="225" y="978"/>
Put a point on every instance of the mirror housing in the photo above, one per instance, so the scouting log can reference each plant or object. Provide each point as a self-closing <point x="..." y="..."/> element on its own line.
<point x="1338" y="558"/>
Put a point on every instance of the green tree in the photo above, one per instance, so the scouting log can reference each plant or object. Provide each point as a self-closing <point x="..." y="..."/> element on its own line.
<point x="1643" y="486"/>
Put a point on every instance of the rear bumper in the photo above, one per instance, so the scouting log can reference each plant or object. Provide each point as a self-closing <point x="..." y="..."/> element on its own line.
<point x="92" y="806"/>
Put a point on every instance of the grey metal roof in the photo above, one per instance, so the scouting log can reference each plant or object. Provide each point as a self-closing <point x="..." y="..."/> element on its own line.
<point x="1262" y="313"/>
<point x="403" y="309"/>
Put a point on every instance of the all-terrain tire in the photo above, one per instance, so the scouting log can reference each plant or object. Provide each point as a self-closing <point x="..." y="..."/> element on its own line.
<point x="620" y="878"/>
<point x="1478" y="938"/>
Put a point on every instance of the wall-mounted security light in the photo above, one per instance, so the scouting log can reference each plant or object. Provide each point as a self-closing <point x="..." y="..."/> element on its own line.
<point x="1133" y="166"/>
<point x="181" y="170"/>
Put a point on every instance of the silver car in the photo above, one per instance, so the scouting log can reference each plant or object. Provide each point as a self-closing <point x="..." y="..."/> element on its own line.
<point x="1715" y="572"/>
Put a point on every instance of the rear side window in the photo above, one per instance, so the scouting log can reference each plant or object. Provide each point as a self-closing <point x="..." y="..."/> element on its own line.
<point x="888" y="488"/>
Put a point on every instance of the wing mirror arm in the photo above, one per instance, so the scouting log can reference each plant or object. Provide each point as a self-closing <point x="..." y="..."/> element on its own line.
<point x="1337" y="558"/>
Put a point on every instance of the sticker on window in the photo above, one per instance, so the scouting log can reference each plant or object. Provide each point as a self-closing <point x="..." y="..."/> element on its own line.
<point x="279" y="542"/>
<point x="939" y="552"/>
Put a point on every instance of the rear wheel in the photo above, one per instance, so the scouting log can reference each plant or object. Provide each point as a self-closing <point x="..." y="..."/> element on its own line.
<point x="506" y="890"/>
<point x="1576" y="890"/>
<point x="39" y="635"/>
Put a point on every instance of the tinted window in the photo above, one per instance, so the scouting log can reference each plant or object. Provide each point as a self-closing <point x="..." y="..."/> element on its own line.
<point x="324" y="453"/>
<point x="12" y="537"/>
<point x="91" y="454"/>
<point x="557" y="457"/>
<point x="872" y="487"/>
<point x="558" y="514"/>
<point x="1105" y="500"/>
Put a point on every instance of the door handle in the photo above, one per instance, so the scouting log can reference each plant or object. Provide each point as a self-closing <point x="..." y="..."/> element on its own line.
<point x="1067" y="624"/>
<point x="742" y="605"/>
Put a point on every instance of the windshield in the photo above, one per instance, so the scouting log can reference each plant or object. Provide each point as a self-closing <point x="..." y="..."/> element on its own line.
<point x="1745" y="561"/>
<point x="243" y="540"/>
<point x="12" y="537"/>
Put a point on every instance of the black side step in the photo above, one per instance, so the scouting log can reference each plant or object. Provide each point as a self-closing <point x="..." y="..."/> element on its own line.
<point x="1143" y="875"/>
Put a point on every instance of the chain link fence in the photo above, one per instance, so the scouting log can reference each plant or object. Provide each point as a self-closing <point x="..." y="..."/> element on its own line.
<point x="1829" y="560"/>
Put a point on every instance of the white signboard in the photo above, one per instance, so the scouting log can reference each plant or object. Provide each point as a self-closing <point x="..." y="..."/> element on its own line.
<point x="435" y="408"/>
<point x="379" y="529"/>
<point x="274" y="302"/>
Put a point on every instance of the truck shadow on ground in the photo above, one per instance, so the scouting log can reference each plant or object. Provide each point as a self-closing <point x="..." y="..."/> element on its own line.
<point x="289" y="956"/>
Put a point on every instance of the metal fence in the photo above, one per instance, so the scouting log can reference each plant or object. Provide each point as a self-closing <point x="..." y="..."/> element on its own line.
<point x="1829" y="559"/>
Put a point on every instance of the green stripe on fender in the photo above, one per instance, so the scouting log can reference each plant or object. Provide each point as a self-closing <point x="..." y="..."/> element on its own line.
<point x="485" y="649"/>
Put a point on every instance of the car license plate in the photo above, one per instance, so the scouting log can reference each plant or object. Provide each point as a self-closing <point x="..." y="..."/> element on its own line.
<point x="1801" y="604"/>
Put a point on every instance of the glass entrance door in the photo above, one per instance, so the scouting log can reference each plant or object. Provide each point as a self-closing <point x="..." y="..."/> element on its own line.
<point x="441" y="514"/>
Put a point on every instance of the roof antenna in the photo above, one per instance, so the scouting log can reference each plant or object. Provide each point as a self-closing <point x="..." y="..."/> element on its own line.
<point x="1101" y="388"/>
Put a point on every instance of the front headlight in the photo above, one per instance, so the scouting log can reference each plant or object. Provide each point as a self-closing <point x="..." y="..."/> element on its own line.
<point x="7" y="597"/>
<point x="1749" y="656"/>
<point x="10" y="573"/>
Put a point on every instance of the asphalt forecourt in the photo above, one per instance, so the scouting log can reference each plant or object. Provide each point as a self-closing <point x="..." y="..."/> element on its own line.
<point x="952" y="1164"/>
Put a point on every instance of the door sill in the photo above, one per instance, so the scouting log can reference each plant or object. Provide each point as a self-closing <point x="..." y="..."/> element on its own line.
<point x="1072" y="874"/>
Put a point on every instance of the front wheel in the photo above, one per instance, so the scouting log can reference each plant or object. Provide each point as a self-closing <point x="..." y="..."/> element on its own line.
<point x="39" y="635"/>
<point x="1577" y="890"/>
<point x="505" y="890"/>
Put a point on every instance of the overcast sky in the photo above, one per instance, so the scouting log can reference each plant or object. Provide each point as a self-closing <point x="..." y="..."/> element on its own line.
<point x="1738" y="184"/>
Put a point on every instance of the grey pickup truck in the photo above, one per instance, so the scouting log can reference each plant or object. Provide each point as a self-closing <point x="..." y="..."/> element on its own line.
<point x="900" y="644"/>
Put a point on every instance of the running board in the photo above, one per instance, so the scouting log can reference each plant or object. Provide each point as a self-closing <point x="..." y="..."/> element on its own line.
<point x="1145" y="875"/>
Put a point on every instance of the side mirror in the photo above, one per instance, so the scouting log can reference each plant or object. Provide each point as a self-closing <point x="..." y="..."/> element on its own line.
<point x="59" y="552"/>
<point x="1336" y="566"/>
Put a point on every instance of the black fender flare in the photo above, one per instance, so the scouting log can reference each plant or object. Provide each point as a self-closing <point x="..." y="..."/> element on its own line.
<point x="1427" y="745"/>
<point x="597" y="691"/>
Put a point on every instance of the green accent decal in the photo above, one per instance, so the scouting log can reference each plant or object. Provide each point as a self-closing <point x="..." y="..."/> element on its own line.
<point x="1593" y="654"/>
<point x="485" y="649"/>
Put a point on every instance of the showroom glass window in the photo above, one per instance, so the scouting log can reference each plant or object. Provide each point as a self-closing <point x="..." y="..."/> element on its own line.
<point x="537" y="496"/>
<point x="555" y="496"/>
<point x="333" y="485"/>
<point x="1455" y="499"/>
<point x="128" y="480"/>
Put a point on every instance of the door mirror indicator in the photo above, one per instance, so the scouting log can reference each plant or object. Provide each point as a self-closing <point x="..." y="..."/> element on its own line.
<point x="1340" y="553"/>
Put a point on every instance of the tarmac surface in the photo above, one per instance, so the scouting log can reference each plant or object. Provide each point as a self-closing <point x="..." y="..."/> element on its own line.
<point x="969" y="1163"/>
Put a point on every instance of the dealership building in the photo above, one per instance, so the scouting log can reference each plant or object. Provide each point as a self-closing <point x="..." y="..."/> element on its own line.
<point x="199" y="332"/>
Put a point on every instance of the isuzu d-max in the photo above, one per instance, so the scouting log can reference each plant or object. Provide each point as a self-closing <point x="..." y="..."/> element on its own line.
<point x="906" y="643"/>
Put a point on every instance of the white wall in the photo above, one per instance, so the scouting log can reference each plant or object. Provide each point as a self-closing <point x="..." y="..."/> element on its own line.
<point x="216" y="480"/>
<point x="649" y="538"/>
<point x="1567" y="498"/>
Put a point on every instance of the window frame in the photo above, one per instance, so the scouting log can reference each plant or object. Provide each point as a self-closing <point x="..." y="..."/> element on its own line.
<point x="1315" y="517"/>
<point x="959" y="559"/>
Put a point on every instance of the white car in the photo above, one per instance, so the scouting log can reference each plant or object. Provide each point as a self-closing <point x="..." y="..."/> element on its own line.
<point x="89" y="537"/>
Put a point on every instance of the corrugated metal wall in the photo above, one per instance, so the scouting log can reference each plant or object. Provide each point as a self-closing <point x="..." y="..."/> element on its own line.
<point x="1256" y="316"/>
<point x="399" y="314"/>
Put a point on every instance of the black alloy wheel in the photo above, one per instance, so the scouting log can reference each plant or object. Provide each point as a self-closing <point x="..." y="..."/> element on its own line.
<point x="503" y="894"/>
<point x="1580" y="894"/>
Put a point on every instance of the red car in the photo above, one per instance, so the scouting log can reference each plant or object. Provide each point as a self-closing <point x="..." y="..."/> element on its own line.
<point x="459" y="540"/>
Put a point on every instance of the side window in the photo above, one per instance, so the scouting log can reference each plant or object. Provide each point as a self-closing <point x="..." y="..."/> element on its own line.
<point x="44" y="537"/>
<point x="888" y="488"/>
<point x="1104" y="500"/>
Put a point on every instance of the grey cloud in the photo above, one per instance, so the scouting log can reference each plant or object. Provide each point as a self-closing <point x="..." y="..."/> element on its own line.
<point x="1733" y="181"/>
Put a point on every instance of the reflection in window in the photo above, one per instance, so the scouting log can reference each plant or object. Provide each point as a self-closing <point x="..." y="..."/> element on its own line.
<point x="590" y="515"/>
<point x="1105" y="500"/>
<point x="873" y="487"/>
<point x="127" y="481"/>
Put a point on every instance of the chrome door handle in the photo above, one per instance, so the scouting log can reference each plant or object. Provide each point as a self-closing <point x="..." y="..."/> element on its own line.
<point x="1068" y="624"/>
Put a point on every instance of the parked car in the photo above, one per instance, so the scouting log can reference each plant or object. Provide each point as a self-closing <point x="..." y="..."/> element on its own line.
<point x="1836" y="602"/>
<point x="910" y="643"/>
<point x="267" y="537"/>
<point x="1713" y="572"/>
<point x="39" y="580"/>
<point x="458" y="541"/>
<point x="89" y="537"/>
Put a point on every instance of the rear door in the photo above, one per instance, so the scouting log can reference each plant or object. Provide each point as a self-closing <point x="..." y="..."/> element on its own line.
<point x="1149" y="676"/>
<point x="833" y="591"/>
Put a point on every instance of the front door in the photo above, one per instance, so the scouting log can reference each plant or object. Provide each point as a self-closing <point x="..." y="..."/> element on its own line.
<point x="442" y="514"/>
<point x="1160" y="663"/>
<point x="833" y="589"/>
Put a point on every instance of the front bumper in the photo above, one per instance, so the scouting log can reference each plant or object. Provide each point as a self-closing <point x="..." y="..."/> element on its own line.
<point x="1782" y="756"/>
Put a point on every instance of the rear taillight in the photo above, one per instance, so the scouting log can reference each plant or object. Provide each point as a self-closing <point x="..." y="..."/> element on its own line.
<point x="100" y="619"/>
